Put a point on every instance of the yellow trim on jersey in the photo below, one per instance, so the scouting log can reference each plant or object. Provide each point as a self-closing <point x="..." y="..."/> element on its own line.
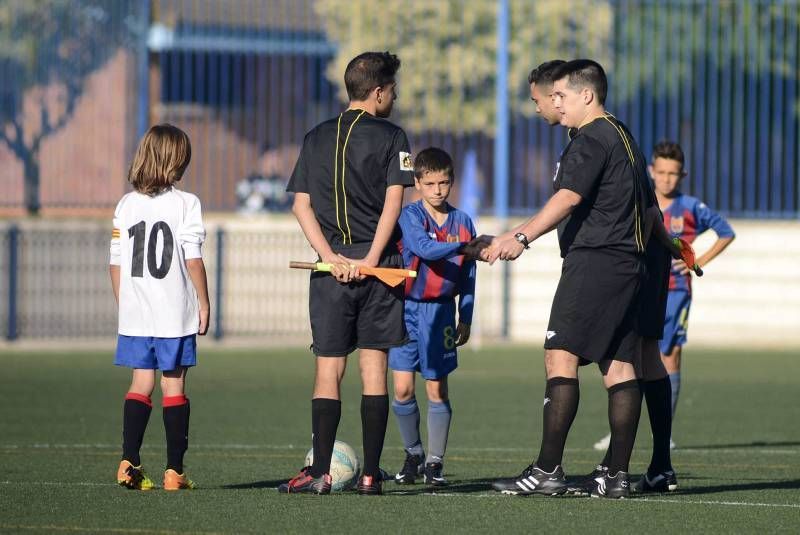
<point x="344" y="192"/>
<point x="115" y="233"/>
<point x="336" y="176"/>
<point x="638" y="221"/>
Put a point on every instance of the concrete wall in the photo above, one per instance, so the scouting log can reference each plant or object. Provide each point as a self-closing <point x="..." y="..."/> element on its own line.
<point x="750" y="296"/>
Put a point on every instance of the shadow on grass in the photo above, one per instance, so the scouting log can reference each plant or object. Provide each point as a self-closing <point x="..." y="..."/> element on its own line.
<point x="754" y="444"/>
<point x="467" y="486"/>
<point x="255" y="485"/>
<point x="789" y="484"/>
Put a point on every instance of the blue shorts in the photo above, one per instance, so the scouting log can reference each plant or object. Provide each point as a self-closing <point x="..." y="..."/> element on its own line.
<point x="676" y="321"/>
<point x="150" y="353"/>
<point x="431" y="349"/>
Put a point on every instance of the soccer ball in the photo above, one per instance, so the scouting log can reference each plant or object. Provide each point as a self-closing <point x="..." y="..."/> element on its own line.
<point x="345" y="466"/>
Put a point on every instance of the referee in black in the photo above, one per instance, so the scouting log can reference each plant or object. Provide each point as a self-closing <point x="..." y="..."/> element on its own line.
<point x="348" y="184"/>
<point x="602" y="194"/>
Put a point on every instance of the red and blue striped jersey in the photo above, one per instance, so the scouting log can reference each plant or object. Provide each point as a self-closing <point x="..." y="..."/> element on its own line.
<point x="432" y="251"/>
<point x="687" y="217"/>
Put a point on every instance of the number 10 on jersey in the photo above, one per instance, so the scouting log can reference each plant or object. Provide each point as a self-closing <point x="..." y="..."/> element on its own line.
<point x="157" y="269"/>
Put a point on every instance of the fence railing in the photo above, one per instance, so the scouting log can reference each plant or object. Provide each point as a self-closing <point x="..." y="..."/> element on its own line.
<point x="248" y="78"/>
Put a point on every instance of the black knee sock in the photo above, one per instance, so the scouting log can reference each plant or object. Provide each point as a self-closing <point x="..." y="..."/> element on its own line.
<point x="176" y="426"/>
<point x="624" y="406"/>
<point x="374" y="416"/>
<point x="607" y="458"/>
<point x="135" y="415"/>
<point x="561" y="398"/>
<point x="325" y="415"/>
<point x="658" y="395"/>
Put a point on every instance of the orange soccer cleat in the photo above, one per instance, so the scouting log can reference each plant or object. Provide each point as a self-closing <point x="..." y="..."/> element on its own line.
<point x="175" y="481"/>
<point x="133" y="477"/>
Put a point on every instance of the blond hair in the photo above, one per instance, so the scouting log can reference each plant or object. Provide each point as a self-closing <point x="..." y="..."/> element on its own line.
<point x="161" y="158"/>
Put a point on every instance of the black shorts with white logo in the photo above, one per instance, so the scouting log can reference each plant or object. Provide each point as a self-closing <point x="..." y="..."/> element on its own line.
<point x="364" y="314"/>
<point x="594" y="308"/>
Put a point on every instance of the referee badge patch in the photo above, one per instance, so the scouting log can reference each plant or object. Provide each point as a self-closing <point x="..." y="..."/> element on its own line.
<point x="405" y="162"/>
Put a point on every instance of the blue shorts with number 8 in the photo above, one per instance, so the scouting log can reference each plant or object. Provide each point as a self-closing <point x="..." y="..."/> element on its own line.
<point x="431" y="350"/>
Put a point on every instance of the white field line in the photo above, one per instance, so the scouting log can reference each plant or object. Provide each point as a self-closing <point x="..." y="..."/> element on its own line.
<point x="254" y="447"/>
<point x="455" y="495"/>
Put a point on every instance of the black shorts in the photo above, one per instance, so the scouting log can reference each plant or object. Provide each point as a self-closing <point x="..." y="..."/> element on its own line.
<point x="653" y="295"/>
<point x="364" y="314"/>
<point x="594" y="309"/>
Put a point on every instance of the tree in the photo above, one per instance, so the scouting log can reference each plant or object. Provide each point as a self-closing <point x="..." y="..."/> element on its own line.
<point x="448" y="49"/>
<point x="47" y="49"/>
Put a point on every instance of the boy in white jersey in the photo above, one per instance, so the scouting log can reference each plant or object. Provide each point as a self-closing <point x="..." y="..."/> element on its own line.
<point x="159" y="281"/>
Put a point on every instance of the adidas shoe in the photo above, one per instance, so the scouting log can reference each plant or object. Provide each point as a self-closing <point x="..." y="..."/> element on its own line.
<point x="534" y="480"/>
<point x="133" y="477"/>
<point x="175" y="481"/>
<point x="608" y="486"/>
<point x="370" y="485"/>
<point x="304" y="483"/>
<point x="585" y="485"/>
<point x="433" y="475"/>
<point x="413" y="467"/>
<point x="661" y="482"/>
<point x="603" y="443"/>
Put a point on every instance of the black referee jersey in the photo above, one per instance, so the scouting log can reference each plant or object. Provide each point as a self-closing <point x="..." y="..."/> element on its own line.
<point x="345" y="165"/>
<point x="604" y="165"/>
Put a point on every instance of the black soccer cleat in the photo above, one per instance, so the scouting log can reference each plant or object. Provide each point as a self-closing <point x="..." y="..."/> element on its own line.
<point x="304" y="483"/>
<point x="534" y="480"/>
<point x="433" y="475"/>
<point x="584" y="485"/>
<point x="412" y="468"/>
<point x="616" y="486"/>
<point x="661" y="482"/>
<point x="370" y="485"/>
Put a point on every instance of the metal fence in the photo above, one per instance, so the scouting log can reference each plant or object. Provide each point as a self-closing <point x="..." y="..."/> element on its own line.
<point x="56" y="282"/>
<point x="247" y="78"/>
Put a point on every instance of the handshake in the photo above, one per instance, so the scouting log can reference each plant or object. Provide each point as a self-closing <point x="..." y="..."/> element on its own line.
<point x="488" y="248"/>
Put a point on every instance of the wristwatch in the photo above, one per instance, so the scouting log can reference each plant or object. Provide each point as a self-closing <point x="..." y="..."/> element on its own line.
<point x="523" y="239"/>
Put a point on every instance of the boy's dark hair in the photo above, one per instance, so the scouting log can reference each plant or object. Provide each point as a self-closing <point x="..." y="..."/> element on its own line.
<point x="367" y="71"/>
<point x="433" y="160"/>
<point x="582" y="73"/>
<point x="543" y="74"/>
<point x="668" y="150"/>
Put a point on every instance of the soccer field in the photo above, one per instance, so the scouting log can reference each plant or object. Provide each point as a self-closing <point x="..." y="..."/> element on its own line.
<point x="738" y="456"/>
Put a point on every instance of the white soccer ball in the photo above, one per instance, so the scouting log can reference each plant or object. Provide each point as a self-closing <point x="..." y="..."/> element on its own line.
<point x="345" y="466"/>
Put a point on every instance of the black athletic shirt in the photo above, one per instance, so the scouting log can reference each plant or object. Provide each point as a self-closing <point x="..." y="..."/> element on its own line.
<point x="604" y="165"/>
<point x="345" y="165"/>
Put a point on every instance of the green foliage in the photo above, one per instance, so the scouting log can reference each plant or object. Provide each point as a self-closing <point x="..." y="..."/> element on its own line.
<point x="448" y="49"/>
<point x="55" y="44"/>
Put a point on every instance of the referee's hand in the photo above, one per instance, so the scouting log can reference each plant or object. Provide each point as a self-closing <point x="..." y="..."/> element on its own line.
<point x="505" y="247"/>
<point x="342" y="269"/>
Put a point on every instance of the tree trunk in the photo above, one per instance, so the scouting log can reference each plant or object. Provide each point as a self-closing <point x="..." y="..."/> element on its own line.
<point x="32" y="200"/>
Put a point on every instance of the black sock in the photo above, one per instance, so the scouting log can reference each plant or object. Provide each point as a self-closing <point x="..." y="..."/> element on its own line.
<point x="659" y="407"/>
<point x="135" y="415"/>
<point x="176" y="427"/>
<point x="374" y="416"/>
<point x="607" y="458"/>
<point x="561" y="396"/>
<point x="624" y="406"/>
<point x="325" y="415"/>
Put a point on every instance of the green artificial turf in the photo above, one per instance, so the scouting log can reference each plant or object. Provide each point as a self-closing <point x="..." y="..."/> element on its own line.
<point x="737" y="431"/>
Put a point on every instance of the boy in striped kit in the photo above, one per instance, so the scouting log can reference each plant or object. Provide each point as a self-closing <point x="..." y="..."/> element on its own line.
<point x="436" y="237"/>
<point x="684" y="217"/>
